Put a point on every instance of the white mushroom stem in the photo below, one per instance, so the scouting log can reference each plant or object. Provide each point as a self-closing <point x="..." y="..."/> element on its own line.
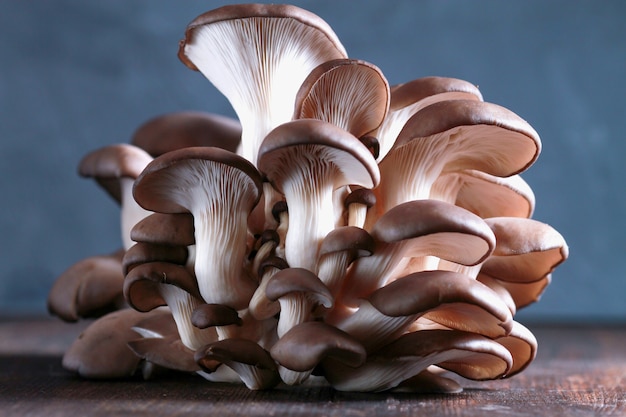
<point x="182" y="304"/>
<point x="131" y="213"/>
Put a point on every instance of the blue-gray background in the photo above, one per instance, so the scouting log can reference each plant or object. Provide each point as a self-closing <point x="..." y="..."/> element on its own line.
<point x="78" y="75"/>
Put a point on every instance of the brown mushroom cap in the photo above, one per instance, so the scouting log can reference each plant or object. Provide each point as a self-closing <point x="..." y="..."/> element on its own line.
<point x="110" y="163"/>
<point x="254" y="364"/>
<point x="298" y="280"/>
<point x="419" y="89"/>
<point x="89" y="288"/>
<point x="142" y="284"/>
<point x="141" y="253"/>
<point x="308" y="344"/>
<point x="526" y="250"/>
<point x="169" y="353"/>
<point x="211" y="315"/>
<point x="166" y="229"/>
<point x="185" y="129"/>
<point x="348" y="93"/>
<point x="101" y="351"/>
<point x="158" y="187"/>
<point x="355" y="241"/>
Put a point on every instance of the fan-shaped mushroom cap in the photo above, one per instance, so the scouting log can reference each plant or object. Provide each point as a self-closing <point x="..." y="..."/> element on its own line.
<point x="89" y="288"/>
<point x="101" y="351"/>
<point x="486" y="195"/>
<point x="220" y="190"/>
<point x="348" y="93"/>
<point x="469" y="355"/>
<point x="185" y="129"/>
<point x="526" y="250"/>
<point x="449" y="136"/>
<point x="308" y="344"/>
<point x="257" y="55"/>
<point x="408" y="98"/>
<point x="418" y="229"/>
<point x="523" y="347"/>
<point x="254" y="364"/>
<point x="115" y="167"/>
<point x="211" y="315"/>
<point x="141" y="253"/>
<point x="290" y="157"/>
<point x="174" y="229"/>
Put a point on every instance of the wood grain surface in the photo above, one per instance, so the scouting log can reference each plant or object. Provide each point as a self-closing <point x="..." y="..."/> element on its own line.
<point x="579" y="371"/>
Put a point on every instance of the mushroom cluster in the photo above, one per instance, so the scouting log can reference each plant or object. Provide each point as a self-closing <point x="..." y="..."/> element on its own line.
<point x="377" y="237"/>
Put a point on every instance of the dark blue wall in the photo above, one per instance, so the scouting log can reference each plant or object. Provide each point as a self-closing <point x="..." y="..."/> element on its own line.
<point x="78" y="75"/>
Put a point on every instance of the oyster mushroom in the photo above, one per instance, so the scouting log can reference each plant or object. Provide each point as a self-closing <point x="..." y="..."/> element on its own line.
<point x="348" y="93"/>
<point x="455" y="300"/>
<point x="417" y="229"/>
<point x="175" y="229"/>
<point x="115" y="168"/>
<point x="141" y="253"/>
<point x="410" y="97"/>
<point x="450" y="136"/>
<point x="219" y="189"/>
<point x="251" y="362"/>
<point x="155" y="284"/>
<point x="258" y="55"/>
<point x="307" y="160"/>
<point x="185" y="129"/>
<point x="91" y="287"/>
<point x="469" y="355"/>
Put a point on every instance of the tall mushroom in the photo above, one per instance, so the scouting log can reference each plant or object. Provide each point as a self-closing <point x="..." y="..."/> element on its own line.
<point x="258" y="55"/>
<point x="219" y="189"/>
<point x="307" y="160"/>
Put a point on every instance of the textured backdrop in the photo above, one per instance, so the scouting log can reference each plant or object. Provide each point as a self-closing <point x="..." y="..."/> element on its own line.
<point x="78" y="75"/>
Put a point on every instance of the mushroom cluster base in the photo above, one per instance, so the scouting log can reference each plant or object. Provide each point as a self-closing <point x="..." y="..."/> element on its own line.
<point x="378" y="237"/>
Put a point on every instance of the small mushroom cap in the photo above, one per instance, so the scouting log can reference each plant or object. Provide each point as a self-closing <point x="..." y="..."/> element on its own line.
<point x="350" y="93"/>
<point x="156" y="188"/>
<point x="185" y="129"/>
<point x="211" y="315"/>
<point x="363" y="196"/>
<point x="141" y="253"/>
<point x="356" y="164"/>
<point x="350" y="239"/>
<point x="306" y="345"/>
<point x="165" y="228"/>
<point x="254" y="364"/>
<point x="298" y="280"/>
<point x="110" y="163"/>
<point x="142" y="284"/>
<point x="89" y="288"/>
<point x="243" y="11"/>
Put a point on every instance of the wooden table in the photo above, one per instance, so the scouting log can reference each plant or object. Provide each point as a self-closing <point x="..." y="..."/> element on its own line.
<point x="579" y="371"/>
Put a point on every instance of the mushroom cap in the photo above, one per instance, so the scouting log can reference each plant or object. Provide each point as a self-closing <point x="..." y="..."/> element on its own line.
<point x="308" y="344"/>
<point x="523" y="347"/>
<point x="142" y="284"/>
<point x="89" y="288"/>
<point x="298" y="280"/>
<point x="237" y="12"/>
<point x="499" y="142"/>
<point x="101" y="351"/>
<point x="174" y="229"/>
<point x="157" y="185"/>
<point x="110" y="163"/>
<point x="185" y="129"/>
<point x="489" y="196"/>
<point x="410" y="92"/>
<point x="141" y="253"/>
<point x="352" y="239"/>
<point x="350" y="93"/>
<point x="453" y="233"/>
<point x="356" y="164"/>
<point x="211" y="315"/>
<point x="526" y="249"/>
<point x="449" y="298"/>
<point x="168" y="352"/>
